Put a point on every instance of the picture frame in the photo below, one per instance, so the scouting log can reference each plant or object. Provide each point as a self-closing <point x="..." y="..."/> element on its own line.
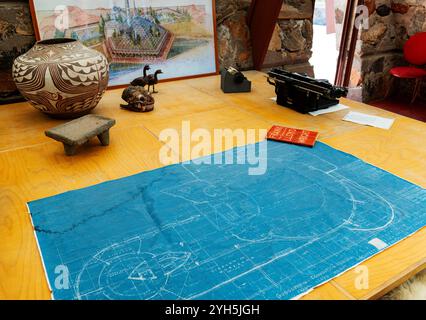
<point x="178" y="37"/>
<point x="16" y="37"/>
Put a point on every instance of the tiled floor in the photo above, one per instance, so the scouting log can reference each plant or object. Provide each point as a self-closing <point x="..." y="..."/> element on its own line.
<point x="417" y="110"/>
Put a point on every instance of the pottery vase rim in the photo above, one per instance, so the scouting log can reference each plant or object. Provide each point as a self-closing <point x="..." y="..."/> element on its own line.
<point x="56" y="41"/>
<point x="58" y="51"/>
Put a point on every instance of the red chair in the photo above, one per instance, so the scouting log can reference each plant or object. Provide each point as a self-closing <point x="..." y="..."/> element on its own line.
<point x="415" y="54"/>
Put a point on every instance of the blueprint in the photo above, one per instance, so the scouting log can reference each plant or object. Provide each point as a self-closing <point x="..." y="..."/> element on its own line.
<point x="192" y="231"/>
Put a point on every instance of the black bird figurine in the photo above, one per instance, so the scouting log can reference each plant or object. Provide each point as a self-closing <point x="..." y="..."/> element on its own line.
<point x="142" y="81"/>
<point x="152" y="80"/>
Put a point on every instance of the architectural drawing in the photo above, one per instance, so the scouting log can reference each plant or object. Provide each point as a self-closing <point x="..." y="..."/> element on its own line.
<point x="174" y="36"/>
<point x="213" y="232"/>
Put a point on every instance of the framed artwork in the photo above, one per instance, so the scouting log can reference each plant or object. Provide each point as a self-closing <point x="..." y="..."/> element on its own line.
<point x="16" y="37"/>
<point x="175" y="36"/>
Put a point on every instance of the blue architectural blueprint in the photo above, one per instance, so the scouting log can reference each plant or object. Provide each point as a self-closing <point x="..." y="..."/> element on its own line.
<point x="192" y="231"/>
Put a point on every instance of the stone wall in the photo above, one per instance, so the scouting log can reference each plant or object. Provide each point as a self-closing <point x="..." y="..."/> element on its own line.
<point x="378" y="51"/>
<point x="296" y="31"/>
<point x="392" y="22"/>
<point x="291" y="43"/>
<point x="410" y="18"/>
<point x="234" y="45"/>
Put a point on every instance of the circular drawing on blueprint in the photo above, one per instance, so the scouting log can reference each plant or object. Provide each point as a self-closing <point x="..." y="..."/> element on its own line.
<point x="308" y="206"/>
<point x="295" y="203"/>
<point x="121" y="271"/>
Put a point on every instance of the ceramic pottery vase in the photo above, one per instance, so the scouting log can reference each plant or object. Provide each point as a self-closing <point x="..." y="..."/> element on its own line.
<point x="62" y="77"/>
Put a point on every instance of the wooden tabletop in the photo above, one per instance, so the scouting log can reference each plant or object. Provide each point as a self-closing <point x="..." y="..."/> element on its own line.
<point x="33" y="166"/>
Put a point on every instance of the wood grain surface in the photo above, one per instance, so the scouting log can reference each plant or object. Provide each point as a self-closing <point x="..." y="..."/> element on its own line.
<point x="33" y="166"/>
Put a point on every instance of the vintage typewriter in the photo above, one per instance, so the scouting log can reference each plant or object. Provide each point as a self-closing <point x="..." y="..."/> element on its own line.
<point x="302" y="93"/>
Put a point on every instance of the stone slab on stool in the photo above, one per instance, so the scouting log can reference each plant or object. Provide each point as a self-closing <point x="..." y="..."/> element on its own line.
<point x="77" y="132"/>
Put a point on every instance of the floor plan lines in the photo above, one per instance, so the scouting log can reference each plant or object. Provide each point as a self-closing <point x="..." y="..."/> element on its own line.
<point x="212" y="232"/>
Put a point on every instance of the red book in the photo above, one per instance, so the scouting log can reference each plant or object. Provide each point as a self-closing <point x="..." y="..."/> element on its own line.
<point x="294" y="136"/>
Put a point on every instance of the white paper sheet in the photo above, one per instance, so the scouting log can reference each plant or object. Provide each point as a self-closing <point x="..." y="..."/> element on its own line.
<point x="379" y="244"/>
<point x="323" y="111"/>
<point x="332" y="109"/>
<point x="369" y="120"/>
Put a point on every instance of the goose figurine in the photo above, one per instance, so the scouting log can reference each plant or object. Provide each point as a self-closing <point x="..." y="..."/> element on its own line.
<point x="142" y="81"/>
<point x="152" y="80"/>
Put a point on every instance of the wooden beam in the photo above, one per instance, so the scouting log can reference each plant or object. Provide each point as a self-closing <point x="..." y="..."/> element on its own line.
<point x="262" y="18"/>
<point x="347" y="44"/>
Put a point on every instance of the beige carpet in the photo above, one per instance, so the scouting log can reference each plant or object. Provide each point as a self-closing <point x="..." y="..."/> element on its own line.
<point x="413" y="289"/>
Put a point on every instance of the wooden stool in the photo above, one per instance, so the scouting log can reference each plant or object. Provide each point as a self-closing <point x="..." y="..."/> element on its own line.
<point x="77" y="132"/>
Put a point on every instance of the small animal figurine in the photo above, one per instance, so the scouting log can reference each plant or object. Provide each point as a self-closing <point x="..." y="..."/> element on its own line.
<point x="138" y="99"/>
<point x="142" y="81"/>
<point x="153" y="80"/>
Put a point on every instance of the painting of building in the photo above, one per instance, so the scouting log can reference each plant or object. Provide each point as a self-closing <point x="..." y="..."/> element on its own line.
<point x="174" y="36"/>
<point x="132" y="36"/>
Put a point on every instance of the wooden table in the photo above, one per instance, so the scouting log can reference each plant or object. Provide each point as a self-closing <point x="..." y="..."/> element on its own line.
<point x="33" y="166"/>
